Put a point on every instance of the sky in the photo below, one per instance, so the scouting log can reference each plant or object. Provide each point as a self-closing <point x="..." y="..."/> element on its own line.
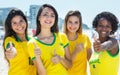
<point x="88" y="8"/>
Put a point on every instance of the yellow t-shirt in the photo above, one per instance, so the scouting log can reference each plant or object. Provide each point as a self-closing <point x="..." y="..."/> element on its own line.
<point x="20" y="64"/>
<point x="103" y="63"/>
<point x="80" y="62"/>
<point x="47" y="51"/>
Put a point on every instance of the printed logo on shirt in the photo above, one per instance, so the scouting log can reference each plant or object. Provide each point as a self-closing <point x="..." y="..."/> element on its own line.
<point x="30" y="61"/>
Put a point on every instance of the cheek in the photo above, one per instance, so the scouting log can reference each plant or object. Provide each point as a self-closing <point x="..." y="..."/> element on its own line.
<point x="68" y="26"/>
<point x="77" y="26"/>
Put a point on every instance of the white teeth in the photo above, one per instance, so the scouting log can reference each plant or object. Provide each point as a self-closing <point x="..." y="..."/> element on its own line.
<point x="103" y="32"/>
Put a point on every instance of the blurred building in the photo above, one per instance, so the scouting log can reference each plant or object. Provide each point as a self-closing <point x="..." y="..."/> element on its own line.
<point x="33" y="13"/>
<point x="3" y="14"/>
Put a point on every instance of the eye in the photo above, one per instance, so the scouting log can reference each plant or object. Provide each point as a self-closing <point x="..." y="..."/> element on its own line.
<point x="52" y="15"/>
<point x="21" y="21"/>
<point x="76" y="22"/>
<point x="14" y="23"/>
<point x="45" y="15"/>
<point x="69" y="22"/>
<point x="108" y="26"/>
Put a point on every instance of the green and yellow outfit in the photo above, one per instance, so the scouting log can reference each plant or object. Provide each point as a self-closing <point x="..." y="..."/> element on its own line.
<point x="104" y="63"/>
<point x="79" y="65"/>
<point x="21" y="63"/>
<point x="47" y="51"/>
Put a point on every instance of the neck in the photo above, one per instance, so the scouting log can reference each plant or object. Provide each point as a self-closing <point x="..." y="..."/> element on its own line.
<point x="72" y="36"/>
<point x="103" y="39"/>
<point x="45" y="33"/>
<point x="22" y="37"/>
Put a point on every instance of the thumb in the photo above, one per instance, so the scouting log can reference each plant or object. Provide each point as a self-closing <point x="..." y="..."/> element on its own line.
<point x="35" y="45"/>
<point x="77" y="44"/>
<point x="82" y="46"/>
<point x="95" y="38"/>
<point x="11" y="45"/>
<point x="55" y="52"/>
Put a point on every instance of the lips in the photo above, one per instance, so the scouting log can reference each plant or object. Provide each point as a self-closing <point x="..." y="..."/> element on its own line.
<point x="104" y="34"/>
<point x="48" y="22"/>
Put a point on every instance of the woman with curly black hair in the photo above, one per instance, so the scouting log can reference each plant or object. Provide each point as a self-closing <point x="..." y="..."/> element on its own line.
<point x="105" y="60"/>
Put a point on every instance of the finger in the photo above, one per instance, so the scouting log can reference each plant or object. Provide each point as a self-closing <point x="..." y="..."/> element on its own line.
<point x="11" y="45"/>
<point x="8" y="49"/>
<point x="35" y="45"/>
<point x="77" y="44"/>
<point x="81" y="45"/>
<point x="55" y="52"/>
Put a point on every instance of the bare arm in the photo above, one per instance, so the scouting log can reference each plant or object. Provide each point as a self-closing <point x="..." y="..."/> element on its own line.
<point x="65" y="61"/>
<point x="109" y="45"/>
<point x="39" y="65"/>
<point x="89" y="53"/>
<point x="78" y="48"/>
<point x="37" y="61"/>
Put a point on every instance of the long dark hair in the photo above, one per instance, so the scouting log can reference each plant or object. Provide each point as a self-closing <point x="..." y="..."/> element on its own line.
<point x="54" y="28"/>
<point x="8" y="27"/>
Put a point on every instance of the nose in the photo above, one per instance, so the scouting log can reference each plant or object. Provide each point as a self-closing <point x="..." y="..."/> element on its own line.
<point x="19" y="24"/>
<point x="72" y="24"/>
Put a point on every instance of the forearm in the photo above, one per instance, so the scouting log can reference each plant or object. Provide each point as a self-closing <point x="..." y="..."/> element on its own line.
<point x="40" y="68"/>
<point x="89" y="53"/>
<point x="73" y="55"/>
<point x="108" y="45"/>
<point x="65" y="62"/>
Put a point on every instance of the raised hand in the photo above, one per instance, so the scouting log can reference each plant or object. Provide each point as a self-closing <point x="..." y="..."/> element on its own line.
<point x="10" y="51"/>
<point x="97" y="46"/>
<point x="79" y="47"/>
<point x="56" y="58"/>
<point x="36" y="50"/>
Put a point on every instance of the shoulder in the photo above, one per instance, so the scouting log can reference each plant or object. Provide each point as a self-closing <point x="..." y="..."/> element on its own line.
<point x="32" y="39"/>
<point x="61" y="34"/>
<point x="12" y="39"/>
<point x="83" y="35"/>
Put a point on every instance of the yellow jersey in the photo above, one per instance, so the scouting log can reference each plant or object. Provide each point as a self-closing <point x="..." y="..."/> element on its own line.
<point x="79" y="65"/>
<point x="47" y="51"/>
<point x="20" y="65"/>
<point x="104" y="63"/>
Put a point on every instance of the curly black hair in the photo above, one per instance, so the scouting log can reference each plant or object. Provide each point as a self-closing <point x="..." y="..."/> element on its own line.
<point x="109" y="17"/>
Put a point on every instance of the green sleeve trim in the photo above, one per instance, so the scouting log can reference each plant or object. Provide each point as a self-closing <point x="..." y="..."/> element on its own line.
<point x="33" y="58"/>
<point x="8" y="45"/>
<point x="66" y="45"/>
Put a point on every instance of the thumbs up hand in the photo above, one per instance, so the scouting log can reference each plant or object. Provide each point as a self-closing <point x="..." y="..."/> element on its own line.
<point x="96" y="44"/>
<point x="36" y="50"/>
<point x="79" y="47"/>
<point x="56" y="58"/>
<point x="10" y="51"/>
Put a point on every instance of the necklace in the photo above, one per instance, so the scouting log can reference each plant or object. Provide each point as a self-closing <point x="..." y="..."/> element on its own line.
<point x="46" y="39"/>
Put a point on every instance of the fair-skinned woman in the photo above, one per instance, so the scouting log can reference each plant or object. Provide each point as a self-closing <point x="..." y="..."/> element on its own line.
<point x="53" y="45"/>
<point x="15" y="44"/>
<point x="80" y="46"/>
